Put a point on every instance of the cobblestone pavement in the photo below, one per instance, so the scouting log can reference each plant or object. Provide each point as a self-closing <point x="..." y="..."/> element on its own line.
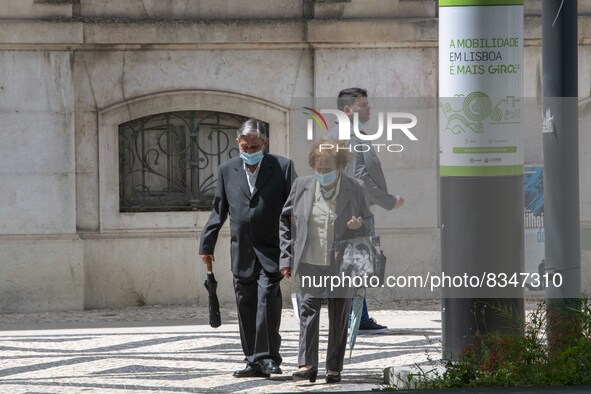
<point x="173" y="349"/>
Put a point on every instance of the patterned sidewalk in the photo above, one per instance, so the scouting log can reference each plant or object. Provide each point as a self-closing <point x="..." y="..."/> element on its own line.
<point x="173" y="349"/>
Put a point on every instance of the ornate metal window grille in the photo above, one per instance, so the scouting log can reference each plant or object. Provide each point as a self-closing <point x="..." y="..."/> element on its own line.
<point x="168" y="162"/>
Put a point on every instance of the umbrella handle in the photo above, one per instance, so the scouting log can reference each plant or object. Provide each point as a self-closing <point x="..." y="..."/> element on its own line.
<point x="209" y="264"/>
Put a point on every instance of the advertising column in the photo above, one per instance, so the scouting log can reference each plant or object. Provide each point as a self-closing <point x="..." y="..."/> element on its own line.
<point x="481" y="165"/>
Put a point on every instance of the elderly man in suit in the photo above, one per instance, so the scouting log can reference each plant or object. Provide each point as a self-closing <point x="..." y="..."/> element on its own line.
<point x="252" y="190"/>
<point x="365" y="166"/>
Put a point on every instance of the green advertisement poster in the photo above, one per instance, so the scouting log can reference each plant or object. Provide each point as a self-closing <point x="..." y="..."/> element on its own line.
<point x="480" y="88"/>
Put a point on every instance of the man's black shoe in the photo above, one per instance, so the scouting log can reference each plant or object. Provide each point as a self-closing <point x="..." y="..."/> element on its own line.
<point x="250" y="372"/>
<point x="271" y="367"/>
<point x="371" y="327"/>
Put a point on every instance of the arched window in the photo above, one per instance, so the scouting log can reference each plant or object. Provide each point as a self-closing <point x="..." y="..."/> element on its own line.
<point x="158" y="155"/>
<point x="169" y="161"/>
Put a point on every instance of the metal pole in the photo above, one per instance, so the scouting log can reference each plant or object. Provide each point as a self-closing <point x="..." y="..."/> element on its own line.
<point x="561" y="160"/>
<point x="481" y="166"/>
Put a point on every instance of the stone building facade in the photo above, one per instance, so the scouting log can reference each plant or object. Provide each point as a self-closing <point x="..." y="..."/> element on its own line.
<point x="75" y="73"/>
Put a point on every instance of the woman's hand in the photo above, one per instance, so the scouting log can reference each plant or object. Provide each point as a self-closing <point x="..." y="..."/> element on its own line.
<point x="286" y="272"/>
<point x="355" y="223"/>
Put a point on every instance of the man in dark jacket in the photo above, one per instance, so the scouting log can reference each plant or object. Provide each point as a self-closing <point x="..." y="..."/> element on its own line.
<point x="367" y="167"/>
<point x="252" y="190"/>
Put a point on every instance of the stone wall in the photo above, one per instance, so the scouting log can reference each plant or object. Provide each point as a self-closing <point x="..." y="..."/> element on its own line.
<point x="72" y="71"/>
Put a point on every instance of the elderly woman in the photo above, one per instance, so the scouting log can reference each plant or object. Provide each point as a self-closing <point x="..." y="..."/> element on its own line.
<point x="320" y="209"/>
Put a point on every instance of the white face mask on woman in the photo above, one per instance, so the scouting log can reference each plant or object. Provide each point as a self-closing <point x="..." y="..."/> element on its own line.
<point x="326" y="179"/>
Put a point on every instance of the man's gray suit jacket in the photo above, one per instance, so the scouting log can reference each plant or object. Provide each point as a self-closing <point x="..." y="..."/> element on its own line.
<point x="366" y="166"/>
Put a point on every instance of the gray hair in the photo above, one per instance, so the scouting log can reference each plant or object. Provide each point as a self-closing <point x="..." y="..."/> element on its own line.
<point x="252" y="126"/>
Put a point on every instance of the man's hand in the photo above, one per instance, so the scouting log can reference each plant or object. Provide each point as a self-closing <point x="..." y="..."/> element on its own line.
<point x="286" y="272"/>
<point x="355" y="223"/>
<point x="399" y="202"/>
<point x="208" y="260"/>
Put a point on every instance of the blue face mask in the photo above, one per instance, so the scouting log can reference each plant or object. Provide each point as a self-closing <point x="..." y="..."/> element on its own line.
<point x="327" y="179"/>
<point x="252" y="159"/>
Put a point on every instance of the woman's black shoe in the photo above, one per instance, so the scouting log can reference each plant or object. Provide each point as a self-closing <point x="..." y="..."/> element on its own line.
<point x="330" y="378"/>
<point x="308" y="374"/>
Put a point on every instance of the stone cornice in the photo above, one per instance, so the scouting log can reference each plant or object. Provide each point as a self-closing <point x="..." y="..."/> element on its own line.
<point x="270" y="34"/>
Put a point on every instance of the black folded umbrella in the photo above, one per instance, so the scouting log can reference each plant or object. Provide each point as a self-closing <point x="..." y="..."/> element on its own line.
<point x="211" y="285"/>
